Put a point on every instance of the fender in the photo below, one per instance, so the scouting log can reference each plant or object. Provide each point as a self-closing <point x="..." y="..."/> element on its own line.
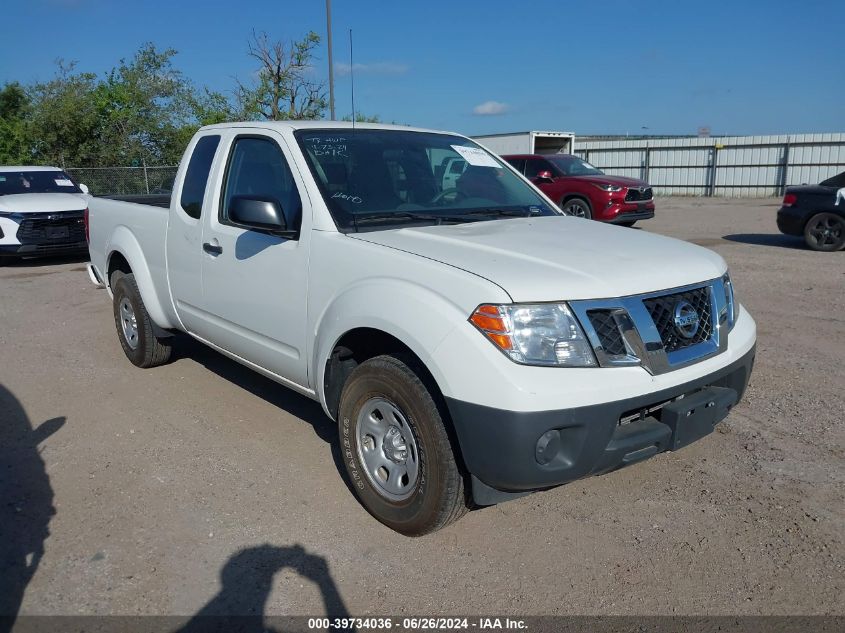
<point x="400" y="303"/>
<point x="124" y="242"/>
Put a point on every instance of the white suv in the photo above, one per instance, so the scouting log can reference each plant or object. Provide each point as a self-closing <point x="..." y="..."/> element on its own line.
<point x="41" y="213"/>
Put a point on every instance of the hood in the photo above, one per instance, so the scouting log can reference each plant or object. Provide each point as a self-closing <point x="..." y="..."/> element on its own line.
<point x="558" y="258"/>
<point x="622" y="181"/>
<point x="41" y="202"/>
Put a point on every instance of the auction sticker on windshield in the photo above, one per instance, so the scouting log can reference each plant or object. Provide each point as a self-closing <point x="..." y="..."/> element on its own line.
<point x="476" y="156"/>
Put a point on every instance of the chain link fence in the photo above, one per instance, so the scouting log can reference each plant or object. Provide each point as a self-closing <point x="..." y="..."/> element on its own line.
<point x="111" y="181"/>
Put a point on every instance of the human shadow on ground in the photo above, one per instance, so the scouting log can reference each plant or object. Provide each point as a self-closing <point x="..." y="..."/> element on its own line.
<point x="26" y="502"/>
<point x="247" y="580"/>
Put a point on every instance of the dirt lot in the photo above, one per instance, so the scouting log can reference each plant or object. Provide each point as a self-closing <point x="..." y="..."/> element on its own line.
<point x="200" y="485"/>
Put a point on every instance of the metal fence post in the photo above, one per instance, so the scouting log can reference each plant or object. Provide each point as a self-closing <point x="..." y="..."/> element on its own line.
<point x="146" y="178"/>
<point x="713" y="166"/>
<point x="647" y="163"/>
<point x="785" y="167"/>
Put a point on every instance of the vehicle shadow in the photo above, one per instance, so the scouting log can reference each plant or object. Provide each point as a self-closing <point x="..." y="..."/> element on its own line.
<point x="26" y="502"/>
<point x="247" y="580"/>
<point x="767" y="239"/>
<point x="266" y="389"/>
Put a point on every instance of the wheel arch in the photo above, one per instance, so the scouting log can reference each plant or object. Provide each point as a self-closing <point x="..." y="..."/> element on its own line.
<point x="575" y="195"/>
<point x="351" y="330"/>
<point x="125" y="255"/>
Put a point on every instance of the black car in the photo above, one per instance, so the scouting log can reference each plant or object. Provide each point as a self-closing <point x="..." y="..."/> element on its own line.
<point x="816" y="212"/>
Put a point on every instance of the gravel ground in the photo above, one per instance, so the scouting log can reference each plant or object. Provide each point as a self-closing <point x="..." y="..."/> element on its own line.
<point x="202" y="487"/>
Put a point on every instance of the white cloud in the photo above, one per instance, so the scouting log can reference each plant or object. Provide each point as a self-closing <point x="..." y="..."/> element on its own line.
<point x="490" y="108"/>
<point x="377" y="68"/>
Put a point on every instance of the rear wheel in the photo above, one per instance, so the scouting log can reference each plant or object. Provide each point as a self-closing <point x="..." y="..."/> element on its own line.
<point x="825" y="232"/>
<point x="134" y="326"/>
<point x="577" y="207"/>
<point x="396" y="449"/>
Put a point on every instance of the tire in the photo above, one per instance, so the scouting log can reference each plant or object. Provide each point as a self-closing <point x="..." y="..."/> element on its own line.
<point x="431" y="495"/>
<point x="627" y="224"/>
<point x="577" y="207"/>
<point x="825" y="232"/>
<point x="134" y="326"/>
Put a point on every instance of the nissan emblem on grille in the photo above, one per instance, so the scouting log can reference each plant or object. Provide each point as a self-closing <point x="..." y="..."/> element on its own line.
<point x="686" y="319"/>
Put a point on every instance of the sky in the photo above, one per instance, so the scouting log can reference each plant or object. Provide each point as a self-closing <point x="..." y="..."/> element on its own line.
<point x="480" y="67"/>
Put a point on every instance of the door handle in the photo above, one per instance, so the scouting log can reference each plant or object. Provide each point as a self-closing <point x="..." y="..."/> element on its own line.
<point x="212" y="249"/>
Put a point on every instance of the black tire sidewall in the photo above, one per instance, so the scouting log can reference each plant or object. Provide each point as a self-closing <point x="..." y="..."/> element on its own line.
<point x="125" y="287"/>
<point x="378" y="378"/>
<point x="588" y="210"/>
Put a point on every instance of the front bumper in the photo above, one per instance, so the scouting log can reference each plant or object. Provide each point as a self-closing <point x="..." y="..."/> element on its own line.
<point x="513" y="452"/>
<point x="43" y="250"/>
<point x="632" y="216"/>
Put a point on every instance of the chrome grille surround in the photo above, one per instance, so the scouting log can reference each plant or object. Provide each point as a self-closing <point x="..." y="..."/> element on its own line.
<point x="642" y="338"/>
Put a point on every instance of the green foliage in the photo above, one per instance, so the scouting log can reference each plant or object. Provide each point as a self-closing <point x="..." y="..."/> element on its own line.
<point x="14" y="139"/>
<point x="363" y="118"/>
<point x="144" y="111"/>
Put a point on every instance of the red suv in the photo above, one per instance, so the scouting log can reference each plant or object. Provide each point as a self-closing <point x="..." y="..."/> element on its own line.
<point x="580" y="189"/>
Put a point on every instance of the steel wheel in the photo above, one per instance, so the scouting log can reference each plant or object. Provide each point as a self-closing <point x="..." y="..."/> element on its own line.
<point x="128" y="323"/>
<point x="825" y="232"/>
<point x="387" y="449"/>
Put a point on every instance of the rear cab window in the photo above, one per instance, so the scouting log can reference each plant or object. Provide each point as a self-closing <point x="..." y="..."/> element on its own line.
<point x="196" y="176"/>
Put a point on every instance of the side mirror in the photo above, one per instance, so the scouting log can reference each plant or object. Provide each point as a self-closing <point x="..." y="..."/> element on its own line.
<point x="83" y="188"/>
<point x="544" y="176"/>
<point x="263" y="214"/>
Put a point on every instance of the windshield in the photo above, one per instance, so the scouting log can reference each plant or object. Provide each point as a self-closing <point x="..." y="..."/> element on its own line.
<point x="574" y="166"/>
<point x="372" y="178"/>
<point x="52" y="181"/>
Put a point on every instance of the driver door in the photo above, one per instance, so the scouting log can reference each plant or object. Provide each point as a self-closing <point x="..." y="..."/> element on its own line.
<point x="254" y="283"/>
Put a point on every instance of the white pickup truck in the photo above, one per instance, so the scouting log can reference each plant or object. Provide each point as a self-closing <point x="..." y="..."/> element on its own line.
<point x="472" y="343"/>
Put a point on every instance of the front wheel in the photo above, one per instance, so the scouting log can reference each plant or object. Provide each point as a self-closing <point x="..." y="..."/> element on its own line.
<point x="825" y="232"/>
<point x="396" y="449"/>
<point x="134" y="326"/>
<point x="577" y="207"/>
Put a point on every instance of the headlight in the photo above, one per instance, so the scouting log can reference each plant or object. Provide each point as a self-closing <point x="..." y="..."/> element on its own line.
<point x="731" y="306"/>
<point x="606" y="187"/>
<point x="545" y="334"/>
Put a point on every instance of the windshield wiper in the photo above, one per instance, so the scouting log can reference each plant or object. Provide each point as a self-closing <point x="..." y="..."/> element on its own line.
<point x="409" y="216"/>
<point x="519" y="213"/>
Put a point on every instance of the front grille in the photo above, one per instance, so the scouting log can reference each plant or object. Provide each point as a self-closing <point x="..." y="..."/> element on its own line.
<point x="635" y="195"/>
<point x="662" y="310"/>
<point x="52" y="229"/>
<point x="608" y="332"/>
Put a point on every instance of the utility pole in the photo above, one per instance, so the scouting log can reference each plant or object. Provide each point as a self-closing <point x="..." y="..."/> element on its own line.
<point x="331" y="64"/>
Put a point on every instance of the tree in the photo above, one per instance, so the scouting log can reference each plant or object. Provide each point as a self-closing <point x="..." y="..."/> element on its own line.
<point x="363" y="118"/>
<point x="15" y="140"/>
<point x="64" y="118"/>
<point x="284" y="88"/>
<point x="143" y="103"/>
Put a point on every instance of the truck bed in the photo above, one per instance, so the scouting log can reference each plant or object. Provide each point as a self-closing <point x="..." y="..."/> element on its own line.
<point x="136" y="225"/>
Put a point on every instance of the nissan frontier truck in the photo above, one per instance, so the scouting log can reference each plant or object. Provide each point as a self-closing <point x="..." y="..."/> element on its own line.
<point x="472" y="343"/>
